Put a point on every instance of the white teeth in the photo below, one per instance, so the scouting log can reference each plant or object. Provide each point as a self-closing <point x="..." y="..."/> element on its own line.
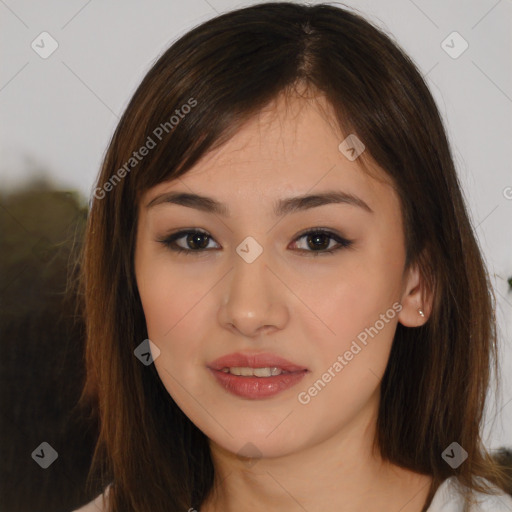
<point x="254" y="372"/>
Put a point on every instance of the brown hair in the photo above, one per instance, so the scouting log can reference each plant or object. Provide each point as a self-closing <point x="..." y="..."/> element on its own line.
<point x="227" y="70"/>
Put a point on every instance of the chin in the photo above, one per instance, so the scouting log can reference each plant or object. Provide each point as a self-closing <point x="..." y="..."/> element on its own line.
<point x="250" y="449"/>
<point x="256" y="440"/>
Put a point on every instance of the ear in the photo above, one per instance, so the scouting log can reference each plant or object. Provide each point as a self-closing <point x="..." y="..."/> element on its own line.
<point x="415" y="298"/>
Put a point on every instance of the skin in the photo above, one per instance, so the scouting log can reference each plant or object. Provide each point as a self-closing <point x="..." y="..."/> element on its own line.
<point x="307" y="309"/>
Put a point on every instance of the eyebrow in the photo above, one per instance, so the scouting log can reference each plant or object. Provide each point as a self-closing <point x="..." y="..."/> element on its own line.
<point x="282" y="207"/>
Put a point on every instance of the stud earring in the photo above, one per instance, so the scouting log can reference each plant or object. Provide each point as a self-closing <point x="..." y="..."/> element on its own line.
<point x="421" y="312"/>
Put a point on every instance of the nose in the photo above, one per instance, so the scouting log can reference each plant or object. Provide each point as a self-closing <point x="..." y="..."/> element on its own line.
<point x="253" y="300"/>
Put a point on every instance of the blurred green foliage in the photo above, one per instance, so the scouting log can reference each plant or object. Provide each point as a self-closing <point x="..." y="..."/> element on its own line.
<point x="42" y="341"/>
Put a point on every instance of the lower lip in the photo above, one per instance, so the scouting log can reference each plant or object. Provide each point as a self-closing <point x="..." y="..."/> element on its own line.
<point x="257" y="387"/>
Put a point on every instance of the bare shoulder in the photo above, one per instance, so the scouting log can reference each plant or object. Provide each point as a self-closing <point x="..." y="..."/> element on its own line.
<point x="98" y="504"/>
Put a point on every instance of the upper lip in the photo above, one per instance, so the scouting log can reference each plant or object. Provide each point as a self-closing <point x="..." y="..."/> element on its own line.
<point x="264" y="360"/>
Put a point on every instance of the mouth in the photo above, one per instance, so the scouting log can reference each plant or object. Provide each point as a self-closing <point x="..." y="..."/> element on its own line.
<point x="256" y="376"/>
<point x="245" y="371"/>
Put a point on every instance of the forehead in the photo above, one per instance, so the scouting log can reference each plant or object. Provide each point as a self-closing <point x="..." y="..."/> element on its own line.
<point x="289" y="148"/>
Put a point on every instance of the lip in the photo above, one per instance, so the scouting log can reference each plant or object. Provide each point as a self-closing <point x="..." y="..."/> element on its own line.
<point x="255" y="361"/>
<point x="256" y="387"/>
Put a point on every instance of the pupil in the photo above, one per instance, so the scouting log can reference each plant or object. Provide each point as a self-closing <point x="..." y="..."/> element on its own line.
<point x="193" y="237"/>
<point x="315" y="238"/>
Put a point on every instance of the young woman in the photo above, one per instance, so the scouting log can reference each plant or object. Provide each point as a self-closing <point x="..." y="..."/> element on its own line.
<point x="286" y="304"/>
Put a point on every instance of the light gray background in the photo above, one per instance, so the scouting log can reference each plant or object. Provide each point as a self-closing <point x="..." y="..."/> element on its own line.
<point x="59" y="113"/>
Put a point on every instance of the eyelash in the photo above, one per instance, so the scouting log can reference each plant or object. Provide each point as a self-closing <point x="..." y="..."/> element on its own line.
<point x="170" y="242"/>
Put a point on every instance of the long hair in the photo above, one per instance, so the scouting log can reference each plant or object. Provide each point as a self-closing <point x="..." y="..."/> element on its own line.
<point x="194" y="98"/>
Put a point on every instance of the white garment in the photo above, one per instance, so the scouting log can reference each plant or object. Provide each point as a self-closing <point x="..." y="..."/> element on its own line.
<point x="96" y="505"/>
<point x="446" y="499"/>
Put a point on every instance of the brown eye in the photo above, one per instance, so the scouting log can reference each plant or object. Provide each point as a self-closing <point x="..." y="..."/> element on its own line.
<point x="194" y="241"/>
<point x="197" y="240"/>
<point x="318" y="242"/>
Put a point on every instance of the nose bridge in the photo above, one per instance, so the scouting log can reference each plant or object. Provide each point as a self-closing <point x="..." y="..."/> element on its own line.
<point x="249" y="277"/>
<point x="251" y="297"/>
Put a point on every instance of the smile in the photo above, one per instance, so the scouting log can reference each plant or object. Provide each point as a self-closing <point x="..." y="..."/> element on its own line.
<point x="254" y="372"/>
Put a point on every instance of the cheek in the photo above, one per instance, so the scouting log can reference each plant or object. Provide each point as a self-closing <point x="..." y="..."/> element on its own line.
<point x="351" y="350"/>
<point x="169" y="293"/>
<point x="173" y="325"/>
<point x="352" y="295"/>
<point x="352" y="313"/>
<point x="353" y="317"/>
<point x="177" y="308"/>
<point x="174" y="314"/>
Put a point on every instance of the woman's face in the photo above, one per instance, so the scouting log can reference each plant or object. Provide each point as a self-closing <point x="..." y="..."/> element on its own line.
<point x="255" y="284"/>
